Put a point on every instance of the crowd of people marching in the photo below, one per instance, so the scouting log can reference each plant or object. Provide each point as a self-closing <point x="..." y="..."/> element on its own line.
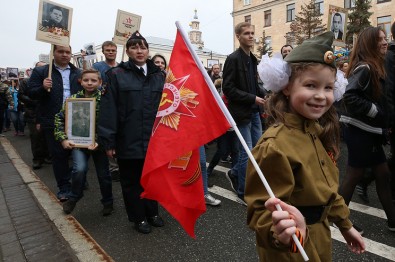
<point x="297" y="99"/>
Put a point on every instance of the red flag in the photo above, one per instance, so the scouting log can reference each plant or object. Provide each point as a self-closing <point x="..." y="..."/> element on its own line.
<point x="188" y="117"/>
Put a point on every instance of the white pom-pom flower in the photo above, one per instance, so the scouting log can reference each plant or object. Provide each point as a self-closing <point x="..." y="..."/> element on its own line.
<point x="340" y="85"/>
<point x="274" y="72"/>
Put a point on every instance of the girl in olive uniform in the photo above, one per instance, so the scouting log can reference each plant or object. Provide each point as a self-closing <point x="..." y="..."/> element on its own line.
<point x="297" y="156"/>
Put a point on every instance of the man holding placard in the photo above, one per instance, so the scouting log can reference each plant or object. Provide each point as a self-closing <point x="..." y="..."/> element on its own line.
<point x="62" y="84"/>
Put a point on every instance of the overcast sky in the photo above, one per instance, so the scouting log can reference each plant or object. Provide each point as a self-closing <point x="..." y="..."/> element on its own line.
<point x="94" y="21"/>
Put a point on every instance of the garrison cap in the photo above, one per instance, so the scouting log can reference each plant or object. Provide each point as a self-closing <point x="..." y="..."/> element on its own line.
<point x="317" y="49"/>
<point x="137" y="35"/>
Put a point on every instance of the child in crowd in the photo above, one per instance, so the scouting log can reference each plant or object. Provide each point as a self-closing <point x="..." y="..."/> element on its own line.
<point x="297" y="156"/>
<point x="90" y="81"/>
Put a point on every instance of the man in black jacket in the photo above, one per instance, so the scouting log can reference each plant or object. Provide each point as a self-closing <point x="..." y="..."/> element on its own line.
<point x="240" y="86"/>
<point x="51" y="94"/>
<point x="37" y="140"/>
<point x="127" y="113"/>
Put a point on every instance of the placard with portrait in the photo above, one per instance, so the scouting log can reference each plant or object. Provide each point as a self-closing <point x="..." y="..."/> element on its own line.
<point x="12" y="73"/>
<point x="54" y="23"/>
<point x="337" y="23"/>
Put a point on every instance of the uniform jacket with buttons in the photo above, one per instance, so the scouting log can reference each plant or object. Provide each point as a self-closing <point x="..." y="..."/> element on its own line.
<point x="301" y="173"/>
<point x="128" y="109"/>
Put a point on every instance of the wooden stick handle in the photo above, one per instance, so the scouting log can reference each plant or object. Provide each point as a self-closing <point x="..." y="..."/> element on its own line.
<point x="50" y="64"/>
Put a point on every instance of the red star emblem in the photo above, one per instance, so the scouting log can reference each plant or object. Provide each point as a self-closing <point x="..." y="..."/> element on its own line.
<point x="176" y="101"/>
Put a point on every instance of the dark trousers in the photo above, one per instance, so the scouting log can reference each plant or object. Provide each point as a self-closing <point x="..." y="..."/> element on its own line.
<point x="80" y="170"/>
<point x="60" y="162"/>
<point x="37" y="143"/>
<point x="7" y="118"/>
<point x="137" y="208"/>
<point x="227" y="143"/>
<point x="2" y="112"/>
<point x="391" y="162"/>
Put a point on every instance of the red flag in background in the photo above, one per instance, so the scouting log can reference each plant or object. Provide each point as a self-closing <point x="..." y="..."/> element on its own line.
<point x="188" y="117"/>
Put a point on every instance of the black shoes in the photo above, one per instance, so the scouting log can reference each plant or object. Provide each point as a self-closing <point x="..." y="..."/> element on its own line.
<point x="362" y="191"/>
<point x="107" y="209"/>
<point x="115" y="175"/>
<point x="233" y="180"/>
<point x="69" y="206"/>
<point x="156" y="221"/>
<point x="37" y="164"/>
<point x="143" y="227"/>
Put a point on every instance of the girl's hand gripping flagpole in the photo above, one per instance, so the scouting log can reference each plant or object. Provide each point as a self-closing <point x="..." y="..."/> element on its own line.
<point x="233" y="123"/>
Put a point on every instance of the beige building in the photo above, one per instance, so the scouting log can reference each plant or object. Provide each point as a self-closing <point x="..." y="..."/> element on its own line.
<point x="275" y="16"/>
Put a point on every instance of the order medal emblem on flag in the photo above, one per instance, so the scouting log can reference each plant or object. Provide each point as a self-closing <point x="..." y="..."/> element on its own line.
<point x="177" y="100"/>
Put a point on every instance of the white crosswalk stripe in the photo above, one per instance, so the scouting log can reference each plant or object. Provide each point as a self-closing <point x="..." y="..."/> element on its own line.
<point x="372" y="246"/>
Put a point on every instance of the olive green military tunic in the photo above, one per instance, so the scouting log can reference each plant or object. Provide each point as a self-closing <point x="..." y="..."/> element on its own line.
<point x="301" y="173"/>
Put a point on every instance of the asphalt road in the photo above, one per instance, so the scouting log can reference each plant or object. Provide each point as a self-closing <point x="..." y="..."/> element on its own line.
<point x="222" y="234"/>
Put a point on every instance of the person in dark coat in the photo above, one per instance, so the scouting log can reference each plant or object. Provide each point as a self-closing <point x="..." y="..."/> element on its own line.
<point x="390" y="85"/>
<point x="128" y="110"/>
<point x="240" y="86"/>
<point x="37" y="140"/>
<point x="367" y="118"/>
<point x="51" y="94"/>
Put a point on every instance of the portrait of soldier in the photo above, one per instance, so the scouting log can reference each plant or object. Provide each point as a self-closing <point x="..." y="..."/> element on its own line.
<point x="337" y="26"/>
<point x="55" y="17"/>
<point x="81" y="120"/>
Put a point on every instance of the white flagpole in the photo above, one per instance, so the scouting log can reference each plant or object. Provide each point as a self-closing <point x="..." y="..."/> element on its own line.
<point x="233" y="124"/>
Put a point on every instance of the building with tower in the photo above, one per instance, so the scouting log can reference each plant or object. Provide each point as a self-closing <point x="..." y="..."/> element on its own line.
<point x="195" y="35"/>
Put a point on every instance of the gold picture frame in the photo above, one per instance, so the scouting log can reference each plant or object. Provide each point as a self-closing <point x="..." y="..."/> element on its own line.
<point x="80" y="121"/>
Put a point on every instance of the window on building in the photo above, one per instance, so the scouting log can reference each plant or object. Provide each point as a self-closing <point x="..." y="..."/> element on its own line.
<point x="268" y="18"/>
<point x="319" y="6"/>
<point x="382" y="1"/>
<point x="247" y="19"/>
<point x="385" y="23"/>
<point x="290" y="12"/>
<point x="247" y="2"/>
<point x="349" y="3"/>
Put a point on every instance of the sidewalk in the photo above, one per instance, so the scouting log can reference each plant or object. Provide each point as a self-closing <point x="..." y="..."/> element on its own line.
<point x="32" y="225"/>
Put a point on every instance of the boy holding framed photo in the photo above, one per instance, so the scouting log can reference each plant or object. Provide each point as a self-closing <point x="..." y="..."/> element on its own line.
<point x="75" y="129"/>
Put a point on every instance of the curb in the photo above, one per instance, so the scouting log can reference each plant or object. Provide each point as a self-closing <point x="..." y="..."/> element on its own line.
<point x="81" y="242"/>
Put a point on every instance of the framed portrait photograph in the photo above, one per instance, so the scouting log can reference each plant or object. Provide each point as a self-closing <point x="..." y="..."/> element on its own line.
<point x="211" y="62"/>
<point x="54" y="23"/>
<point x="80" y="121"/>
<point x="3" y="73"/>
<point x="90" y="51"/>
<point x="12" y="73"/>
<point x="125" y="25"/>
<point x="337" y="23"/>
